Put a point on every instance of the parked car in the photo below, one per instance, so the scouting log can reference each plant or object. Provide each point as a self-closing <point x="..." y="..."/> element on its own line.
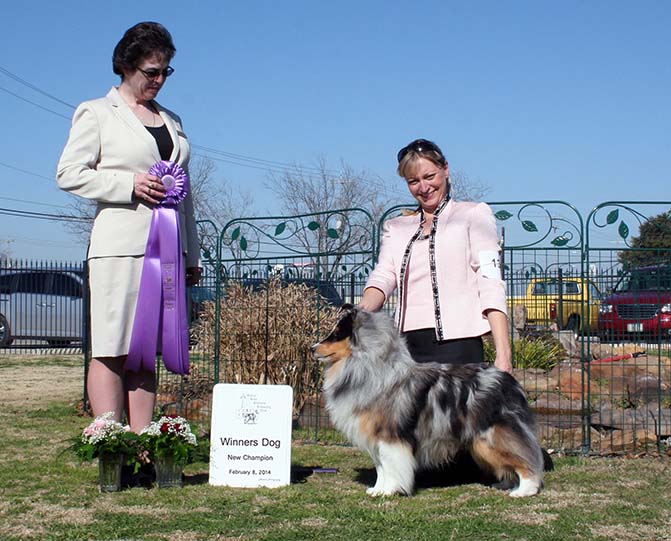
<point x="41" y="304"/>
<point x="5" y="337"/>
<point x="576" y="308"/>
<point x="639" y="305"/>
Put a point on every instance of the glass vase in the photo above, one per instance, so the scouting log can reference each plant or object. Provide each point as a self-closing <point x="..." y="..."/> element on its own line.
<point x="109" y="472"/>
<point x="168" y="472"/>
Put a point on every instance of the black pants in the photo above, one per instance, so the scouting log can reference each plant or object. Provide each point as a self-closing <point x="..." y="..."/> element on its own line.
<point x="424" y="348"/>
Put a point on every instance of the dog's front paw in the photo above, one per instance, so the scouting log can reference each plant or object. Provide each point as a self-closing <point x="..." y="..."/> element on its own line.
<point x="526" y="488"/>
<point x="377" y="492"/>
<point x="517" y="493"/>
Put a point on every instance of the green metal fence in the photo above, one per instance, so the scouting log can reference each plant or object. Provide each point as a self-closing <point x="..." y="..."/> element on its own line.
<point x="543" y="254"/>
<point x="628" y="396"/>
<point x="589" y="303"/>
<point x="589" y="396"/>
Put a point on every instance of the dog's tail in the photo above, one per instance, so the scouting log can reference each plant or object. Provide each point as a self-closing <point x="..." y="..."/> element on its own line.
<point x="548" y="464"/>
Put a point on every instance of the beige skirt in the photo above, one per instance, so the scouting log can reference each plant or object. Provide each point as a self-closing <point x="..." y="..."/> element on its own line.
<point x="114" y="283"/>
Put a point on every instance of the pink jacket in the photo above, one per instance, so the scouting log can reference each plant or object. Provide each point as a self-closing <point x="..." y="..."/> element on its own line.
<point x="467" y="267"/>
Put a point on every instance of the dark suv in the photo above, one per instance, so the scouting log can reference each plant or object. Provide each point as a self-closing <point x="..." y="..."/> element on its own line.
<point x="639" y="305"/>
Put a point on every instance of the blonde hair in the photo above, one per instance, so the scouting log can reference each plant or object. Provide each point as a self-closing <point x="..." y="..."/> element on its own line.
<point x="411" y="159"/>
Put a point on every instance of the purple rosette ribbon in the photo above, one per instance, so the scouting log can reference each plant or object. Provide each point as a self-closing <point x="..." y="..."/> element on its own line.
<point x="161" y="301"/>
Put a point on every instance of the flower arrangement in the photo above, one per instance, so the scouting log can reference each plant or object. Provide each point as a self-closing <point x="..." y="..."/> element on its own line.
<point x="169" y="437"/>
<point x="104" y="436"/>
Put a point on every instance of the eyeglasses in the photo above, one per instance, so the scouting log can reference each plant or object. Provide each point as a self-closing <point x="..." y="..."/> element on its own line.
<point x="154" y="73"/>
<point x="419" y="146"/>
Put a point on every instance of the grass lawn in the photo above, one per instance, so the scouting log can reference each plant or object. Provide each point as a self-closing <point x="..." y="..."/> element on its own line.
<point x="47" y="494"/>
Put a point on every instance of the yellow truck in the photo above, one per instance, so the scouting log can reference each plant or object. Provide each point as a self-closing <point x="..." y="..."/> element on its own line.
<point x="574" y="306"/>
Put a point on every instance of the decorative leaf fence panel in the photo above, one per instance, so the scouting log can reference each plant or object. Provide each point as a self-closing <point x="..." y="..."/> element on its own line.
<point x="278" y="283"/>
<point x="542" y="267"/>
<point x="589" y="303"/>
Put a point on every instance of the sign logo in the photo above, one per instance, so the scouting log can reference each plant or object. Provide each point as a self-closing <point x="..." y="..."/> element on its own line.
<point x="250" y="407"/>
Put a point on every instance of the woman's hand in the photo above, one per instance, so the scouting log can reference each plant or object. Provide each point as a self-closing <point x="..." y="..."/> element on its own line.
<point x="148" y="188"/>
<point x="193" y="275"/>
<point x="503" y="361"/>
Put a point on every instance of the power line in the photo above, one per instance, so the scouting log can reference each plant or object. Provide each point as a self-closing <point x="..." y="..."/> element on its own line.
<point x="33" y="202"/>
<point x="35" y="88"/>
<point x="50" y="179"/>
<point x="35" y="104"/>
<point x="224" y="160"/>
<point x="42" y="215"/>
<point x="261" y="161"/>
<point x="226" y="157"/>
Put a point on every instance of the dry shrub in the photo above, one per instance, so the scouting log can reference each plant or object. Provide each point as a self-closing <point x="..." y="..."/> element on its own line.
<point x="266" y="334"/>
<point x="197" y="384"/>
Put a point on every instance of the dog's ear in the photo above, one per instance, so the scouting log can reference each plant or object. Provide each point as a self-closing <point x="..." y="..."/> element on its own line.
<point x="348" y="313"/>
<point x="343" y="328"/>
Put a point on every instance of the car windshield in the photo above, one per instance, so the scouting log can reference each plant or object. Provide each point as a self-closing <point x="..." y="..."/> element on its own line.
<point x="645" y="280"/>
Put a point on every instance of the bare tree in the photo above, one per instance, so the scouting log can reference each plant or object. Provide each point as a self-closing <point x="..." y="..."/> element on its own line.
<point x="319" y="190"/>
<point x="82" y="211"/>
<point x="314" y="190"/>
<point x="466" y="189"/>
<point x="212" y="200"/>
<point x="5" y="250"/>
<point x="302" y="189"/>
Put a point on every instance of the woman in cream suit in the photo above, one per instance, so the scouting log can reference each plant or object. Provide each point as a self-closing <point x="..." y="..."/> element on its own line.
<point x="443" y="259"/>
<point x="113" y="142"/>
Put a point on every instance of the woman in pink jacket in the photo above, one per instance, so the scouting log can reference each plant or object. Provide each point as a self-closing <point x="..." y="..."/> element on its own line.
<point x="444" y="261"/>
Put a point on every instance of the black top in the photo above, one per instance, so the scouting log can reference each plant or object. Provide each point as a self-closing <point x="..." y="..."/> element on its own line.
<point x="163" y="140"/>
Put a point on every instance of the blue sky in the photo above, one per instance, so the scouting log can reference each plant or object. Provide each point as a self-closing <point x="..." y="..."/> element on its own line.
<point x="535" y="99"/>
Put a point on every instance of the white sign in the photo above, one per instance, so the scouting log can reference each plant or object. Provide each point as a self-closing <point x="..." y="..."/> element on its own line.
<point x="250" y="441"/>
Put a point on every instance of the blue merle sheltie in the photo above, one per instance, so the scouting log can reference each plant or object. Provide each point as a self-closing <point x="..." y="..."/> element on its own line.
<point x="409" y="416"/>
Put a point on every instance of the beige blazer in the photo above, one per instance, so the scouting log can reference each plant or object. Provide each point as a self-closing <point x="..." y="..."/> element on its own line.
<point x="106" y="147"/>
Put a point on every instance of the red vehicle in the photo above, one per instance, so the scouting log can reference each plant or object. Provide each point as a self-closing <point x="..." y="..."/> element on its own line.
<point x="639" y="306"/>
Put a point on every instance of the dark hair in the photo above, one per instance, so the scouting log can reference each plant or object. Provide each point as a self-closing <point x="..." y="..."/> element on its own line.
<point x="139" y="42"/>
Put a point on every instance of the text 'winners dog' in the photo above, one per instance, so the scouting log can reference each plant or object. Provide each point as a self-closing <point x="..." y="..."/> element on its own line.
<point x="409" y="415"/>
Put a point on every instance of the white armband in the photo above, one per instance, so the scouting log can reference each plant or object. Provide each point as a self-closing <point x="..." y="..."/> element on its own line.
<point x="490" y="266"/>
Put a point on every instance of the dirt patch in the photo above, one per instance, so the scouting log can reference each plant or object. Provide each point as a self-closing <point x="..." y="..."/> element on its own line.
<point x="34" y="382"/>
<point x="625" y="532"/>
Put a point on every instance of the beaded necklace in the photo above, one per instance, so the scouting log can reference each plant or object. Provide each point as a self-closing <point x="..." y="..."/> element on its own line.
<point x="432" y="268"/>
